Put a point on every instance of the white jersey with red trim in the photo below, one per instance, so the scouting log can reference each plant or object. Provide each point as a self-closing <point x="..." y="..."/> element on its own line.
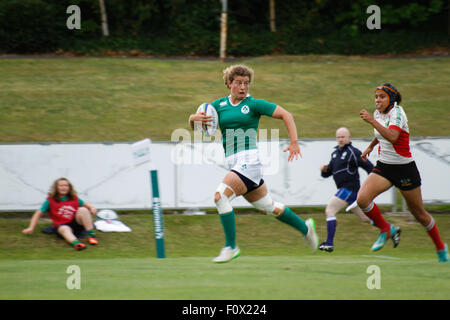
<point x="399" y="152"/>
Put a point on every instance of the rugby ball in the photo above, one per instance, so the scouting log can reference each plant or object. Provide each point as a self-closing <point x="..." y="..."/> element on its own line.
<point x="210" y="111"/>
<point x="107" y="214"/>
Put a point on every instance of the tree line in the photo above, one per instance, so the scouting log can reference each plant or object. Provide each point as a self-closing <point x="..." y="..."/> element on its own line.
<point x="192" y="27"/>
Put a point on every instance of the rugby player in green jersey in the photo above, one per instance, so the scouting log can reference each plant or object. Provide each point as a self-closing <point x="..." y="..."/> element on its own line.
<point x="239" y="115"/>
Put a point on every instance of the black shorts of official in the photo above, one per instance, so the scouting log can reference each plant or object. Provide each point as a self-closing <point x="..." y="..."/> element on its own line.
<point x="77" y="229"/>
<point x="249" y="183"/>
<point x="403" y="176"/>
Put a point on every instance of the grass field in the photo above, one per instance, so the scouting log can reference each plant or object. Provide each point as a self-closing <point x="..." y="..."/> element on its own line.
<point x="113" y="99"/>
<point x="275" y="263"/>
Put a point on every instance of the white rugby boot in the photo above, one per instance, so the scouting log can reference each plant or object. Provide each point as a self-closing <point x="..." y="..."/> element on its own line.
<point x="227" y="254"/>
<point x="311" y="237"/>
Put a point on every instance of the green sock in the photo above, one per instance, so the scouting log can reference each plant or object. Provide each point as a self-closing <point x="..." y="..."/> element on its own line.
<point x="91" y="233"/>
<point x="75" y="242"/>
<point x="289" y="217"/>
<point x="229" y="227"/>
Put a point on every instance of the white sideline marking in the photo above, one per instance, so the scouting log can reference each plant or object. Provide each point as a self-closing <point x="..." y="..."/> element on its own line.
<point x="385" y="257"/>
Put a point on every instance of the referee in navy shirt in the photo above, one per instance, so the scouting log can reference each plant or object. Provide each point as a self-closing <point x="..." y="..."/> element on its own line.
<point x="343" y="166"/>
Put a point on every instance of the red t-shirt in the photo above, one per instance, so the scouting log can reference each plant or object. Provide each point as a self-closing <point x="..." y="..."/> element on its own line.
<point x="62" y="212"/>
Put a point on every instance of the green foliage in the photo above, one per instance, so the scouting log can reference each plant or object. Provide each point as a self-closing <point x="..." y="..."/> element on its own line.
<point x="26" y="26"/>
<point x="414" y="14"/>
<point x="182" y="27"/>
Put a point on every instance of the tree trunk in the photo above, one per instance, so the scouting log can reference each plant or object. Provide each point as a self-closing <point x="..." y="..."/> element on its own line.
<point x="223" y="31"/>
<point x="273" y="27"/>
<point x="104" y="18"/>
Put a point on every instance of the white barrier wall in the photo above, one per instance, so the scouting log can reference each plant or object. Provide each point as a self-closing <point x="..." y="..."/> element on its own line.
<point x="189" y="173"/>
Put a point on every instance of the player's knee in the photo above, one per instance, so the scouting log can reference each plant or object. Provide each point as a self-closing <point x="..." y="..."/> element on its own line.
<point x="330" y="212"/>
<point x="278" y="209"/>
<point x="267" y="206"/>
<point x="362" y="200"/>
<point x="223" y="197"/>
<point x="63" y="229"/>
<point x="83" y="210"/>
<point x="264" y="205"/>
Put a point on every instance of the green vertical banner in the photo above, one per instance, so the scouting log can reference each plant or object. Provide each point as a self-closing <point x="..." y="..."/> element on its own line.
<point x="157" y="216"/>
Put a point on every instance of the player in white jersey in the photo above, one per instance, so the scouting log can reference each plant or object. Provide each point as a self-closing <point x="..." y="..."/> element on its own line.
<point x="395" y="166"/>
<point x="239" y="113"/>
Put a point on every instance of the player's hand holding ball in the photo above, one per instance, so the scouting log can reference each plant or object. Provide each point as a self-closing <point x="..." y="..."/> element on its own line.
<point x="205" y="119"/>
<point x="201" y="117"/>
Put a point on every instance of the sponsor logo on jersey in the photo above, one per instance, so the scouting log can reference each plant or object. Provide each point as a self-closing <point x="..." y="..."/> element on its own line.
<point x="223" y="103"/>
<point x="67" y="211"/>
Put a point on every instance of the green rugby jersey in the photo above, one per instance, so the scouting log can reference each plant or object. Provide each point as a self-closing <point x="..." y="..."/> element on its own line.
<point x="239" y="124"/>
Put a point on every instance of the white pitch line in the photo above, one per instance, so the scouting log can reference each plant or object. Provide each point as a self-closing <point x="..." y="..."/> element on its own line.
<point x="385" y="257"/>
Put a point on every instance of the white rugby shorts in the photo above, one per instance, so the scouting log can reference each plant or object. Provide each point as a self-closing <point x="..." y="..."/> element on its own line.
<point x="246" y="163"/>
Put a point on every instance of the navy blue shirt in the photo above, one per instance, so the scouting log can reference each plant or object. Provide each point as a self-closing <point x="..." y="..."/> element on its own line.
<point x="344" y="166"/>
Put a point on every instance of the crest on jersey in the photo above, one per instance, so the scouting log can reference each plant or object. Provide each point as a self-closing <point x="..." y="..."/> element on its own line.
<point x="245" y="109"/>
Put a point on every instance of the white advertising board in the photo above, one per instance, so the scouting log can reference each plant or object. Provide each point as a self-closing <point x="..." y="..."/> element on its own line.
<point x="106" y="175"/>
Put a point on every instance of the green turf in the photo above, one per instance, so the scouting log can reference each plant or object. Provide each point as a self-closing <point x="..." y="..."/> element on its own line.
<point x="93" y="99"/>
<point x="113" y="99"/>
<point x="250" y="277"/>
<point x="274" y="262"/>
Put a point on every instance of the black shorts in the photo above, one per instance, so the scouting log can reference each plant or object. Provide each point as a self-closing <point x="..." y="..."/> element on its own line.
<point x="403" y="176"/>
<point x="249" y="183"/>
<point x="77" y="229"/>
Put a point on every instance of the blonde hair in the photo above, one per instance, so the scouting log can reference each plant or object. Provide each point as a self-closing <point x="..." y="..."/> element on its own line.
<point x="237" y="70"/>
<point x="54" y="190"/>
